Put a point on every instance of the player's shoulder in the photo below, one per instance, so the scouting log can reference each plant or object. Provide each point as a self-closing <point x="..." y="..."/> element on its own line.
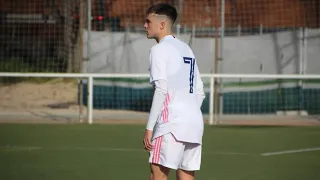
<point x="161" y="45"/>
<point x="175" y="41"/>
<point x="184" y="46"/>
<point x="156" y="47"/>
<point x="182" y="42"/>
<point x="168" y="46"/>
<point x="161" y="48"/>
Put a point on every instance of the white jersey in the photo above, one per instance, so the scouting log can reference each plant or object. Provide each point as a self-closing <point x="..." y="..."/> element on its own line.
<point x="173" y="61"/>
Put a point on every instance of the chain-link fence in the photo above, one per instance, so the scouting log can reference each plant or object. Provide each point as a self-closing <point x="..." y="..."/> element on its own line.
<point x="47" y="35"/>
<point x="41" y="36"/>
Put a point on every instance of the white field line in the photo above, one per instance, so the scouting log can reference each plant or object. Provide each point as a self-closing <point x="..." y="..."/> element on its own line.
<point x="30" y="148"/>
<point x="229" y="153"/>
<point x="96" y="149"/>
<point x="20" y="148"/>
<point x="291" y="151"/>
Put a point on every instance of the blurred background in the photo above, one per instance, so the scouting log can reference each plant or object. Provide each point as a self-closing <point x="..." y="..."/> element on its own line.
<point x="90" y="58"/>
<point x="107" y="37"/>
<point x="51" y="35"/>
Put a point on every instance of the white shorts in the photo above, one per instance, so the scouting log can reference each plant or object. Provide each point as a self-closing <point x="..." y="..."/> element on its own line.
<point x="173" y="154"/>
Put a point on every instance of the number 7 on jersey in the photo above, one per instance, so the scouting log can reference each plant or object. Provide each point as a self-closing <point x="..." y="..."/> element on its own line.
<point x="191" y="61"/>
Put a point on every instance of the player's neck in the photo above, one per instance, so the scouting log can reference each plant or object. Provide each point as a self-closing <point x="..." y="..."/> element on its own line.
<point x="161" y="36"/>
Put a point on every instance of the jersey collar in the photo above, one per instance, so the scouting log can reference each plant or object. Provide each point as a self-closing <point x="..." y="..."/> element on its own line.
<point x="167" y="37"/>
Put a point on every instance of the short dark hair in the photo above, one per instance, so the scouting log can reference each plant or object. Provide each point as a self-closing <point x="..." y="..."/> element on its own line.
<point x="163" y="9"/>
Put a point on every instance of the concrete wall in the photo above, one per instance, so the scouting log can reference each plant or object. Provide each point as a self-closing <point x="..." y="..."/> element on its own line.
<point x="266" y="54"/>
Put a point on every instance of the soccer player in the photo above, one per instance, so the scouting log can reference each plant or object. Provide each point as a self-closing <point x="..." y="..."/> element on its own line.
<point x="174" y="130"/>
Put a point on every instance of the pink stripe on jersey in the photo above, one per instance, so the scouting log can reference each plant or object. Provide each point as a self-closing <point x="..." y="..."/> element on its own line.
<point x="165" y="112"/>
<point x="158" y="157"/>
<point x="158" y="141"/>
<point x="155" y="148"/>
<point x="156" y="151"/>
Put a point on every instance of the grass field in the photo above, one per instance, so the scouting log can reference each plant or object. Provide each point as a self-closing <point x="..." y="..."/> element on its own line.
<point x="94" y="152"/>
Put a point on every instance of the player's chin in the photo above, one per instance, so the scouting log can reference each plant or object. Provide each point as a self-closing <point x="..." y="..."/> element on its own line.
<point x="149" y="36"/>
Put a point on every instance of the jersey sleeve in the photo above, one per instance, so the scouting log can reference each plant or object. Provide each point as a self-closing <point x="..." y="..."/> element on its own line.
<point x="157" y="103"/>
<point x="200" y="91"/>
<point x="158" y="65"/>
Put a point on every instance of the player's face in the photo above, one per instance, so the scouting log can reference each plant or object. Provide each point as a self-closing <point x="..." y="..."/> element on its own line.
<point x="152" y="26"/>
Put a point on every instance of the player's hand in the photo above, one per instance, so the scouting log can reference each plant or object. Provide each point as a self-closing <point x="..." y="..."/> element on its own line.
<point x="147" y="140"/>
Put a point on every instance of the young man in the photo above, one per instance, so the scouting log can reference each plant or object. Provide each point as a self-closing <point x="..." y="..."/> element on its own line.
<point x="173" y="135"/>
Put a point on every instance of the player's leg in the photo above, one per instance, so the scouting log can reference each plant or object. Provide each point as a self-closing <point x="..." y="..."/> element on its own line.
<point x="185" y="175"/>
<point x="158" y="172"/>
<point x="166" y="155"/>
<point x="191" y="161"/>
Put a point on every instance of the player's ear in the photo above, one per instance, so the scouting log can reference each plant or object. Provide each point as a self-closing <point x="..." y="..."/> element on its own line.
<point x="162" y="25"/>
